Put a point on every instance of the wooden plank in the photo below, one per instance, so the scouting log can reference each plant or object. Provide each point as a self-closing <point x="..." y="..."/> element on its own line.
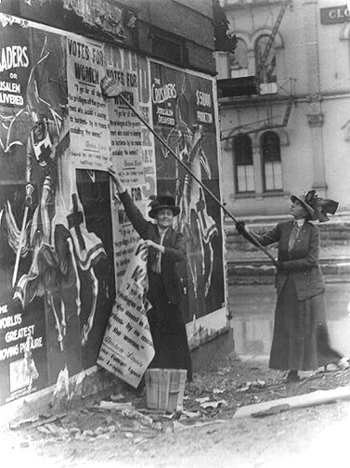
<point x="300" y="401"/>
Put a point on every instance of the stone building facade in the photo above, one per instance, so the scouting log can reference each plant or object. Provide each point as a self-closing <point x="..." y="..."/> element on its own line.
<point x="284" y="111"/>
<point x="291" y="134"/>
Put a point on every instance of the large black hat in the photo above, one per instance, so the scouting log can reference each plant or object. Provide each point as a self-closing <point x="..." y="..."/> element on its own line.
<point x="316" y="206"/>
<point x="163" y="202"/>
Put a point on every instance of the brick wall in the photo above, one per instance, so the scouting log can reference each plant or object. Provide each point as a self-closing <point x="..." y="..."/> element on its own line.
<point x="190" y="21"/>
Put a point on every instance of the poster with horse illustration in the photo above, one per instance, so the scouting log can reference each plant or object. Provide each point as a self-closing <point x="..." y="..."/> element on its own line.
<point x="183" y="114"/>
<point x="56" y="279"/>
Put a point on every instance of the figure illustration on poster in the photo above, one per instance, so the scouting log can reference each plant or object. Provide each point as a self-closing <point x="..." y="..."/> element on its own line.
<point x="194" y="221"/>
<point x="53" y="224"/>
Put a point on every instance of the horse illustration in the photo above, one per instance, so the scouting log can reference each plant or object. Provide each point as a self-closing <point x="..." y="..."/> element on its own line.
<point x="194" y="221"/>
<point x="61" y="248"/>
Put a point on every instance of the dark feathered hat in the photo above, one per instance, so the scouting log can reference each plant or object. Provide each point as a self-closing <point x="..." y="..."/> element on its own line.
<point x="316" y="206"/>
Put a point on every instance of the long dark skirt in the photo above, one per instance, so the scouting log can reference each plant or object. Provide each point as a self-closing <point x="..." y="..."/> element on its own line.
<point x="301" y="339"/>
<point x="168" y="330"/>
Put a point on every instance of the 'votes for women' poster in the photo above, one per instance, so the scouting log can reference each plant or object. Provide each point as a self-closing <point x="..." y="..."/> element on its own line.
<point x="88" y="111"/>
<point x="128" y="140"/>
<point x="127" y="347"/>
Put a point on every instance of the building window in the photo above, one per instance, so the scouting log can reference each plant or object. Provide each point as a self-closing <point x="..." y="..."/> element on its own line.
<point x="239" y="60"/>
<point x="169" y="47"/>
<point x="244" y="168"/>
<point x="265" y="65"/>
<point x="271" y="161"/>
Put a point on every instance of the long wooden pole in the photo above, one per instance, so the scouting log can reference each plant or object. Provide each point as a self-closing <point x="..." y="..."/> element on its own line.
<point x="111" y="89"/>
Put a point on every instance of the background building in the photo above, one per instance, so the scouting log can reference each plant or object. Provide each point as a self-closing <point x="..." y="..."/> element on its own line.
<point x="291" y="134"/>
<point x="284" y="111"/>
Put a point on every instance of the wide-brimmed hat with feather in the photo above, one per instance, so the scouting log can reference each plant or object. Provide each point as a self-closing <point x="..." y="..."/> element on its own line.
<point x="316" y="206"/>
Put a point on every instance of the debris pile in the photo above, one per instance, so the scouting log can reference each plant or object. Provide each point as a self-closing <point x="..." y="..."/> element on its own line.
<point x="214" y="396"/>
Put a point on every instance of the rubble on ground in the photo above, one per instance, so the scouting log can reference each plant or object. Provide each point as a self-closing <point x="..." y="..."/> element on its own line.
<point x="213" y="396"/>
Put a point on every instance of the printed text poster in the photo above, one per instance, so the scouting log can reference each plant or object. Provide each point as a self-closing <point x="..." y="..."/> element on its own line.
<point x="88" y="110"/>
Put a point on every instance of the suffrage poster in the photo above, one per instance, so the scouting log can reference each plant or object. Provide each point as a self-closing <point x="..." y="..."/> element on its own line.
<point x="89" y="127"/>
<point x="132" y="148"/>
<point x="127" y="347"/>
<point x="126" y="154"/>
<point x="125" y="126"/>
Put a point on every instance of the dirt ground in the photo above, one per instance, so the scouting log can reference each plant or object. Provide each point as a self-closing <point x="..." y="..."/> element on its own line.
<point x="117" y="429"/>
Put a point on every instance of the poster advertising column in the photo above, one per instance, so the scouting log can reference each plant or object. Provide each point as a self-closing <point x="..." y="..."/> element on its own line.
<point x="183" y="114"/>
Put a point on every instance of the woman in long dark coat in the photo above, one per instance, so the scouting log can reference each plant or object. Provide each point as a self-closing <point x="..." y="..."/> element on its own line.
<point x="166" y="250"/>
<point x="300" y="339"/>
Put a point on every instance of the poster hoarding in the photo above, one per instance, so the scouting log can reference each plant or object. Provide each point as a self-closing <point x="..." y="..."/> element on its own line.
<point x="65" y="240"/>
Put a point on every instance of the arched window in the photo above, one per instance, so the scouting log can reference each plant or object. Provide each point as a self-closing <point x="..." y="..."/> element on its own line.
<point x="239" y="60"/>
<point x="271" y="161"/>
<point x="244" y="169"/>
<point x="265" y="67"/>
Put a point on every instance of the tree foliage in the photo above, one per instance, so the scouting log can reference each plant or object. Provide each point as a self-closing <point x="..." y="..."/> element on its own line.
<point x="224" y="40"/>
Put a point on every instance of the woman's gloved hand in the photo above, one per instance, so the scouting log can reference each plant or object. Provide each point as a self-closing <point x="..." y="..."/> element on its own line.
<point x="243" y="231"/>
<point x="240" y="226"/>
